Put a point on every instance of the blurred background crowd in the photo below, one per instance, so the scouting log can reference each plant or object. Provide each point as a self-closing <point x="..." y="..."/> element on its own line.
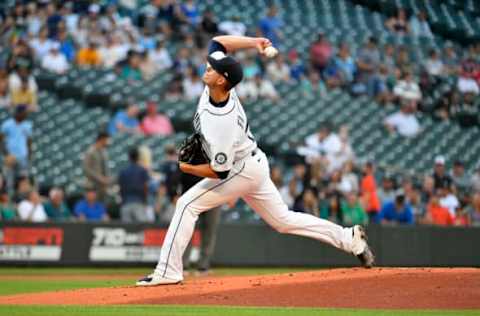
<point x="132" y="40"/>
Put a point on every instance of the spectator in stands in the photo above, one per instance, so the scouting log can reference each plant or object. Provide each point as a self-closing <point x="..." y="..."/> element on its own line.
<point x="466" y="81"/>
<point x="31" y="209"/>
<point x="368" y="190"/>
<point x="234" y="26"/>
<point x="22" y="74"/>
<point x="95" y="167"/>
<point x="113" y="52"/>
<point x="403" y="122"/>
<point x="434" y="65"/>
<point x="164" y="207"/>
<point x="208" y="24"/>
<point x="8" y="211"/>
<point x="160" y="57"/>
<point x="403" y="60"/>
<point x="5" y="101"/>
<point x="309" y="203"/>
<point x="89" y="208"/>
<point x="257" y="88"/>
<point x="386" y="193"/>
<point x="182" y="62"/>
<point x="352" y="211"/>
<point x="450" y="60"/>
<point x="191" y="12"/>
<point x="368" y="62"/>
<point x="155" y="123"/>
<point x="20" y="56"/>
<point x="460" y="179"/>
<point x="125" y="121"/>
<point x="388" y="59"/>
<point x="297" y="69"/>
<point x="440" y="176"/>
<point x="170" y="171"/>
<point x="42" y="44"/>
<point x="419" y="26"/>
<point x="146" y="67"/>
<point x="324" y="145"/>
<point x="131" y="69"/>
<point x="270" y="26"/>
<point x="313" y="85"/>
<point x="24" y="96"/>
<point x="55" y="207"/>
<point x="437" y="214"/>
<point x="16" y="135"/>
<point x="396" y="212"/>
<point x="340" y="72"/>
<point x="398" y="23"/>
<point x="278" y="70"/>
<point x="320" y="53"/>
<point x="54" y="61"/>
<point x="413" y="198"/>
<point x="448" y="200"/>
<point x="349" y="180"/>
<point x="89" y="56"/>
<point x="475" y="180"/>
<point x="192" y="85"/>
<point x="474" y="210"/>
<point x="67" y="46"/>
<point x="408" y="89"/>
<point x="133" y="182"/>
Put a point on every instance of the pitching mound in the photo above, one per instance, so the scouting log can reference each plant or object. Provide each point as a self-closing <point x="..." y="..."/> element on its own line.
<point x="400" y="288"/>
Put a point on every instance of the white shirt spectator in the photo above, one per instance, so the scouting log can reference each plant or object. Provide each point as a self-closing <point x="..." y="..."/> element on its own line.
<point x="192" y="89"/>
<point x="41" y="48"/>
<point x="408" y="90"/>
<point x="406" y="124"/>
<point x="450" y="202"/>
<point x="434" y="67"/>
<point x="29" y="212"/>
<point x="233" y="28"/>
<point x="278" y="72"/>
<point x="467" y="85"/>
<point x="254" y="89"/>
<point x="111" y="55"/>
<point x="14" y="82"/>
<point x="161" y="58"/>
<point x="55" y="62"/>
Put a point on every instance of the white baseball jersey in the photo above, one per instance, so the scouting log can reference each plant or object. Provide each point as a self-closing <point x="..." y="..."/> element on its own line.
<point x="225" y="133"/>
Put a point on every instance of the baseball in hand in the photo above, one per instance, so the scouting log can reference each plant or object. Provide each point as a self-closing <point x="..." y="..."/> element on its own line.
<point x="270" y="51"/>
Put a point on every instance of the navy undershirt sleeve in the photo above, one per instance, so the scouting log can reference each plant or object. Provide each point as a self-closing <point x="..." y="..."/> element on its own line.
<point x="215" y="46"/>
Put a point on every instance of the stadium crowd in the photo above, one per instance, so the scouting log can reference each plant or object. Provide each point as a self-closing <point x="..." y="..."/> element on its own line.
<point x="134" y="44"/>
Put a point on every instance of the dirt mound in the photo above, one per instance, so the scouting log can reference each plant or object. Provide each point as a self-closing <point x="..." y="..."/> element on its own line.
<point x="398" y="288"/>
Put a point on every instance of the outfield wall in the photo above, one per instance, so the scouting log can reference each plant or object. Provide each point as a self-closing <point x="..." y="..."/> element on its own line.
<point x="238" y="245"/>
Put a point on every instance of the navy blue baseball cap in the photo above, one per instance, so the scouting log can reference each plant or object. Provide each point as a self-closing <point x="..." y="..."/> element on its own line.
<point x="227" y="66"/>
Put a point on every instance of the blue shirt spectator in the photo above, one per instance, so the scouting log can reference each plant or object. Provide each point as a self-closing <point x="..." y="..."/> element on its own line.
<point x="125" y="121"/>
<point x="270" y="26"/>
<point x="90" y="209"/>
<point x="66" y="46"/>
<point x="398" y="211"/>
<point x="16" y="132"/>
<point x="191" y="12"/>
<point x="133" y="181"/>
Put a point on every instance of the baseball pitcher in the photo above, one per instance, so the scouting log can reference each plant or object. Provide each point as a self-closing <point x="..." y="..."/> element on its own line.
<point x="235" y="167"/>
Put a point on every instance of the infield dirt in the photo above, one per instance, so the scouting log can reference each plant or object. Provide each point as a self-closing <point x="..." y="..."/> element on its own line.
<point x="388" y="288"/>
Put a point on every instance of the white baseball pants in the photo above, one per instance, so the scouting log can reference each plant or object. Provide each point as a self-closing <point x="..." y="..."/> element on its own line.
<point x="249" y="179"/>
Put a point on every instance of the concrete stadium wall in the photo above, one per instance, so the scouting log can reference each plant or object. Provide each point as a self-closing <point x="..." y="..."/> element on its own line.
<point x="237" y="245"/>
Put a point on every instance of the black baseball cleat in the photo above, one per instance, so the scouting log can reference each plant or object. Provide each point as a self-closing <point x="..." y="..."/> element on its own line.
<point x="360" y="247"/>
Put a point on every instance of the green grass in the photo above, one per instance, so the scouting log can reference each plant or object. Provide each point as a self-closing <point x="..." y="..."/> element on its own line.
<point x="146" y="310"/>
<point x="9" y="287"/>
<point x="140" y="271"/>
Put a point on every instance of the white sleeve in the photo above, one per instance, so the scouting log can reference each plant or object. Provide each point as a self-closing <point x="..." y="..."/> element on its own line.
<point x="24" y="209"/>
<point x="392" y="119"/>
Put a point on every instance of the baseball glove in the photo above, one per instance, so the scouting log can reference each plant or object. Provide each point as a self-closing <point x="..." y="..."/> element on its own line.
<point x="191" y="151"/>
